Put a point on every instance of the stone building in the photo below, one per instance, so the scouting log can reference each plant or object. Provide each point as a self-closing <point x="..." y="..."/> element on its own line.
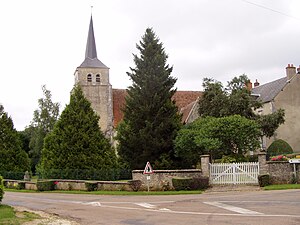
<point x="93" y="77"/>
<point x="282" y="93"/>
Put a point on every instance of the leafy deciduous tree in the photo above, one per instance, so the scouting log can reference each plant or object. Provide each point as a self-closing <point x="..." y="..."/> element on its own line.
<point x="43" y="122"/>
<point x="232" y="135"/>
<point x="236" y="99"/>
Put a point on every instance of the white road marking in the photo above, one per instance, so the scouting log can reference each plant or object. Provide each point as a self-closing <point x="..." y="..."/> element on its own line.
<point x="199" y="213"/>
<point x="92" y="203"/>
<point x="146" y="205"/>
<point x="158" y="202"/>
<point x="233" y="208"/>
<point x="164" y="209"/>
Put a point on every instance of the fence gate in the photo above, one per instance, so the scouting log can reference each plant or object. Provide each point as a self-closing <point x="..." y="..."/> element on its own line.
<point x="234" y="173"/>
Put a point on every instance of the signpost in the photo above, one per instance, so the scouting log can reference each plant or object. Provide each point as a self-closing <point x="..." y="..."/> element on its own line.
<point x="147" y="171"/>
<point x="294" y="161"/>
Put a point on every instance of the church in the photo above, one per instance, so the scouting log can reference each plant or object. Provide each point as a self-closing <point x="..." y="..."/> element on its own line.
<point x="93" y="78"/>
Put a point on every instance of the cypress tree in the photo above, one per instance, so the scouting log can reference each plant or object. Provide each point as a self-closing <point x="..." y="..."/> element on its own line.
<point x="151" y="118"/>
<point x="12" y="157"/>
<point x="76" y="142"/>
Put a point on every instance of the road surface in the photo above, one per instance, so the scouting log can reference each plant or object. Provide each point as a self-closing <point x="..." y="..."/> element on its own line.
<point x="243" y="208"/>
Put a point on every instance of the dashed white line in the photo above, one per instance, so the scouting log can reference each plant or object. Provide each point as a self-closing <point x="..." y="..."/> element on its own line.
<point x="146" y="205"/>
<point x="233" y="208"/>
<point x="92" y="203"/>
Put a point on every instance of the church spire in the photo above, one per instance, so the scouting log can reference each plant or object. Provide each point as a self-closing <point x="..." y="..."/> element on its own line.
<point x="91" y="59"/>
<point x="91" y="51"/>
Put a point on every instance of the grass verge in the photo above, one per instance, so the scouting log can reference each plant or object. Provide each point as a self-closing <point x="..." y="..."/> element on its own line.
<point x="9" y="216"/>
<point x="113" y="192"/>
<point x="282" y="187"/>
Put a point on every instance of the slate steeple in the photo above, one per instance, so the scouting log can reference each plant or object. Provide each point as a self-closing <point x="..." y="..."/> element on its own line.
<point x="91" y="60"/>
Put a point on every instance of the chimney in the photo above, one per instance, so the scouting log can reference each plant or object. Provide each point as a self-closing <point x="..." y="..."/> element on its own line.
<point x="290" y="71"/>
<point x="256" y="84"/>
<point x="249" y="85"/>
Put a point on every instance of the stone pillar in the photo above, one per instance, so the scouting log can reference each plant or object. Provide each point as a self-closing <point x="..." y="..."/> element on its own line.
<point x="205" y="165"/>
<point x="263" y="166"/>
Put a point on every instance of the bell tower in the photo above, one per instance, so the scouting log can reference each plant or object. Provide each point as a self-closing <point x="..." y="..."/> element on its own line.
<point x="93" y="78"/>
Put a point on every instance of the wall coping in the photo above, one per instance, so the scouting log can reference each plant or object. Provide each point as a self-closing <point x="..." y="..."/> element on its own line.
<point x="171" y="171"/>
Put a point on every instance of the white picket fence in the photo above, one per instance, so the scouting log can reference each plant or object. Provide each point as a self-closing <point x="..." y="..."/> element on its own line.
<point x="234" y="173"/>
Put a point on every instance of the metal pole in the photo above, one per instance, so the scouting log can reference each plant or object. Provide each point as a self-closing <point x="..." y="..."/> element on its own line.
<point x="295" y="173"/>
<point x="148" y="179"/>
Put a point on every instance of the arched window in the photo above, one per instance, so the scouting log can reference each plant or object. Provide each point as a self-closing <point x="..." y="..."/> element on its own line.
<point x="89" y="78"/>
<point x="98" y="78"/>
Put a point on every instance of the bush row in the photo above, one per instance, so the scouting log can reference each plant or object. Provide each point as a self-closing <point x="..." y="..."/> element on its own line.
<point x="12" y="175"/>
<point x="200" y="183"/>
<point x="76" y="174"/>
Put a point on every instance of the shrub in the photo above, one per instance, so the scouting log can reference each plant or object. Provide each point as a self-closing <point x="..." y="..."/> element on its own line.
<point x="45" y="185"/>
<point x="264" y="180"/>
<point x="1" y="188"/>
<point x="13" y="175"/>
<point x="21" y="185"/>
<point x="135" y="184"/>
<point x="279" y="147"/>
<point x="190" y="183"/>
<point x="199" y="183"/>
<point x="181" y="183"/>
<point x="91" y="186"/>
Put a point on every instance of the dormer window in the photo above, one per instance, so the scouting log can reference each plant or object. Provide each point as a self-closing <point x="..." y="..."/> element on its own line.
<point x="97" y="78"/>
<point x="89" y="78"/>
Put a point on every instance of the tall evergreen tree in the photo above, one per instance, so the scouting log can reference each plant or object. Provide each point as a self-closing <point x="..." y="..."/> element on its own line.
<point x="76" y="142"/>
<point x="151" y="118"/>
<point x="12" y="157"/>
<point x="43" y="122"/>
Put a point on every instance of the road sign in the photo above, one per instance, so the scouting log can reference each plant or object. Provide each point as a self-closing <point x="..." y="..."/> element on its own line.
<point x="148" y="169"/>
<point x="294" y="161"/>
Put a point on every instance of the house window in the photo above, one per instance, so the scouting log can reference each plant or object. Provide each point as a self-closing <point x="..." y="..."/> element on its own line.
<point x="89" y="78"/>
<point x="98" y="78"/>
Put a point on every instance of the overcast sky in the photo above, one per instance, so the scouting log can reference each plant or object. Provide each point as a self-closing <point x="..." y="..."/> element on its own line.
<point x="42" y="42"/>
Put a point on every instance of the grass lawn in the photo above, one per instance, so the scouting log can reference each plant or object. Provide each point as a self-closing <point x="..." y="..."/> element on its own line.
<point x="282" y="187"/>
<point x="113" y="192"/>
<point x="10" y="217"/>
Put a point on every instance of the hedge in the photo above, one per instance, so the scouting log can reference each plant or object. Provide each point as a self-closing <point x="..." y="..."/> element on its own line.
<point x="91" y="186"/>
<point x="1" y="188"/>
<point x="279" y="147"/>
<point x="45" y="185"/>
<point x="190" y="183"/>
<point x="264" y="180"/>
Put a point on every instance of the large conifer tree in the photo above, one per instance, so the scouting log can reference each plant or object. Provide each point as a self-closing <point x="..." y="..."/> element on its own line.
<point x="76" y="142"/>
<point x="12" y="157"/>
<point x="151" y="118"/>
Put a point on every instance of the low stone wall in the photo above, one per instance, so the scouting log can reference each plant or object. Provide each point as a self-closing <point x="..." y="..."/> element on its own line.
<point x="161" y="180"/>
<point x="281" y="172"/>
<point x="78" y="185"/>
<point x="30" y="185"/>
<point x="114" y="186"/>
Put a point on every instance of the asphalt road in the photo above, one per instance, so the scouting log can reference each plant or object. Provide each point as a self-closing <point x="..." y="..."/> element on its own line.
<point x="251" y="208"/>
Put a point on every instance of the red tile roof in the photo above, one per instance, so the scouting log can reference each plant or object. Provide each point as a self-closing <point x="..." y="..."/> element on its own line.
<point x="182" y="99"/>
